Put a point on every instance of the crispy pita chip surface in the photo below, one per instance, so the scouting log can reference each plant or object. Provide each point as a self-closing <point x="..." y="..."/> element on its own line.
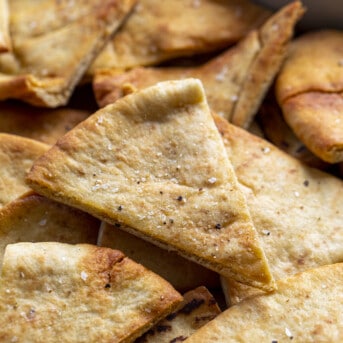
<point x="306" y="307"/>
<point x="45" y="125"/>
<point x="181" y="273"/>
<point x="34" y="218"/>
<point x="296" y="210"/>
<point x="155" y="162"/>
<point x="158" y="31"/>
<point x="16" y="157"/>
<point x="198" y="308"/>
<point x="5" y="38"/>
<point x="50" y="53"/>
<point x="55" y="292"/>
<point x="309" y="90"/>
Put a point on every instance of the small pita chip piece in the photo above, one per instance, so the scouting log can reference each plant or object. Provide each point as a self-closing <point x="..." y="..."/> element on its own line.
<point x="306" y="307"/>
<point x="34" y="218"/>
<point x="297" y="210"/>
<point x="50" y="53"/>
<point x="5" y="38"/>
<point x="157" y="31"/>
<point x="198" y="308"/>
<point x="309" y="90"/>
<point x="55" y="292"/>
<point x="45" y="125"/>
<point x="181" y="273"/>
<point x="155" y="161"/>
<point x="16" y="157"/>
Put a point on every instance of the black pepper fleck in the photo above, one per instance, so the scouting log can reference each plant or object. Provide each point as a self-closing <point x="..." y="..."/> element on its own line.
<point x="178" y="339"/>
<point x="107" y="285"/>
<point x="306" y="183"/>
<point x="171" y="220"/>
<point x="179" y="198"/>
<point x="161" y="192"/>
<point x="274" y="341"/>
<point x="120" y="207"/>
<point x="218" y="226"/>
<point x="117" y="225"/>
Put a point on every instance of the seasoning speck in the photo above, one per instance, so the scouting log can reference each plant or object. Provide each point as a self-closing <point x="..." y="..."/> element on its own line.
<point x="84" y="276"/>
<point x="42" y="222"/>
<point x="266" y="232"/>
<point x="296" y="194"/>
<point x="306" y="183"/>
<point x="179" y="198"/>
<point x="266" y="150"/>
<point x="107" y="285"/>
<point x="218" y="226"/>
<point x="120" y="207"/>
<point x="288" y="333"/>
<point x="212" y="180"/>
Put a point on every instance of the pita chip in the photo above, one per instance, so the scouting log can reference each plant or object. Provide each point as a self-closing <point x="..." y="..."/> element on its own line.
<point x="180" y="272"/>
<point x="45" y="125"/>
<point x="16" y="157"/>
<point x="34" y="218"/>
<point x="307" y="307"/>
<point x="309" y="90"/>
<point x="297" y="210"/>
<point x="50" y="53"/>
<point x="155" y="162"/>
<point x="198" y="308"/>
<point x="55" y="292"/>
<point x="5" y="38"/>
<point x="158" y="31"/>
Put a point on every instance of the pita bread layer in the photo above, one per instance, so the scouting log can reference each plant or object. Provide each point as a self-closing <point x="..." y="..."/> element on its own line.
<point x="155" y="162"/>
<point x="157" y="31"/>
<point x="53" y="292"/>
<point x="16" y="157"/>
<point x="5" y="38"/>
<point x="181" y="273"/>
<point x="198" y="308"/>
<point x="48" y="79"/>
<point x="34" y="218"/>
<point x="296" y="210"/>
<point x="306" y="308"/>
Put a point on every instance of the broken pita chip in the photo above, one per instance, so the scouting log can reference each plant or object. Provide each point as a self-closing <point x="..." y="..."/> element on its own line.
<point x="198" y="308"/>
<point x="55" y="292"/>
<point x="34" y="218"/>
<point x="16" y="157"/>
<point x="155" y="162"/>
<point x="5" y="38"/>
<point x="309" y="89"/>
<point x="297" y="210"/>
<point x="156" y="31"/>
<point x="50" y="53"/>
<point x="306" y="307"/>
<point x="45" y="125"/>
<point x="181" y="273"/>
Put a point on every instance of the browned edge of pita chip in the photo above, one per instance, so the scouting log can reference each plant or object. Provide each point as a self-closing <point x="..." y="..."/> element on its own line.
<point x="5" y="38"/>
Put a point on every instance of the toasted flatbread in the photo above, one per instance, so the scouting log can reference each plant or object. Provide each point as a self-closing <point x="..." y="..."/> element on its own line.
<point x="296" y="210"/>
<point x="16" y="157"/>
<point x="155" y="162"/>
<point x="45" y="125"/>
<point x="309" y="90"/>
<point x="306" y="307"/>
<point x="180" y="272"/>
<point x="235" y="82"/>
<point x="160" y="30"/>
<point x="5" y="38"/>
<point x="50" y="53"/>
<point x="34" y="218"/>
<point x="198" y="308"/>
<point x="55" y="292"/>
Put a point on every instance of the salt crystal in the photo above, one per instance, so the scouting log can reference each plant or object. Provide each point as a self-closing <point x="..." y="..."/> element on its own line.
<point x="84" y="276"/>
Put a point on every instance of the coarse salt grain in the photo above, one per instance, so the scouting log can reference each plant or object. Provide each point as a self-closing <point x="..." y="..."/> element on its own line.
<point x="288" y="333"/>
<point x="84" y="276"/>
<point x="212" y="180"/>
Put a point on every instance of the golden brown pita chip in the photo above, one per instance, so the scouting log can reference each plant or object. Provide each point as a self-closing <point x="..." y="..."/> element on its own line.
<point x="306" y="308"/>
<point x="309" y="90"/>
<point x="54" y="43"/>
<point x="155" y="162"/>
<point x="55" y="292"/>
<point x="181" y="273"/>
<point x="45" y="125"/>
<point x="16" y="157"/>
<point x="296" y="210"/>
<point x="34" y="218"/>
<point x="5" y="38"/>
<point x="160" y="30"/>
<point x="198" y="308"/>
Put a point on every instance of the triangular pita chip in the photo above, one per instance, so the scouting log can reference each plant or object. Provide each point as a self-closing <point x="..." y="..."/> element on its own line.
<point x="34" y="218"/>
<point x="159" y="30"/>
<point x="306" y="308"/>
<point x="55" y="292"/>
<point x="16" y="157"/>
<point x="235" y="82"/>
<point x="45" y="125"/>
<point x="198" y="308"/>
<point x="5" y="38"/>
<point x="309" y="90"/>
<point x="53" y="45"/>
<point x="296" y="210"/>
<point x="155" y="162"/>
<point x="180" y="272"/>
